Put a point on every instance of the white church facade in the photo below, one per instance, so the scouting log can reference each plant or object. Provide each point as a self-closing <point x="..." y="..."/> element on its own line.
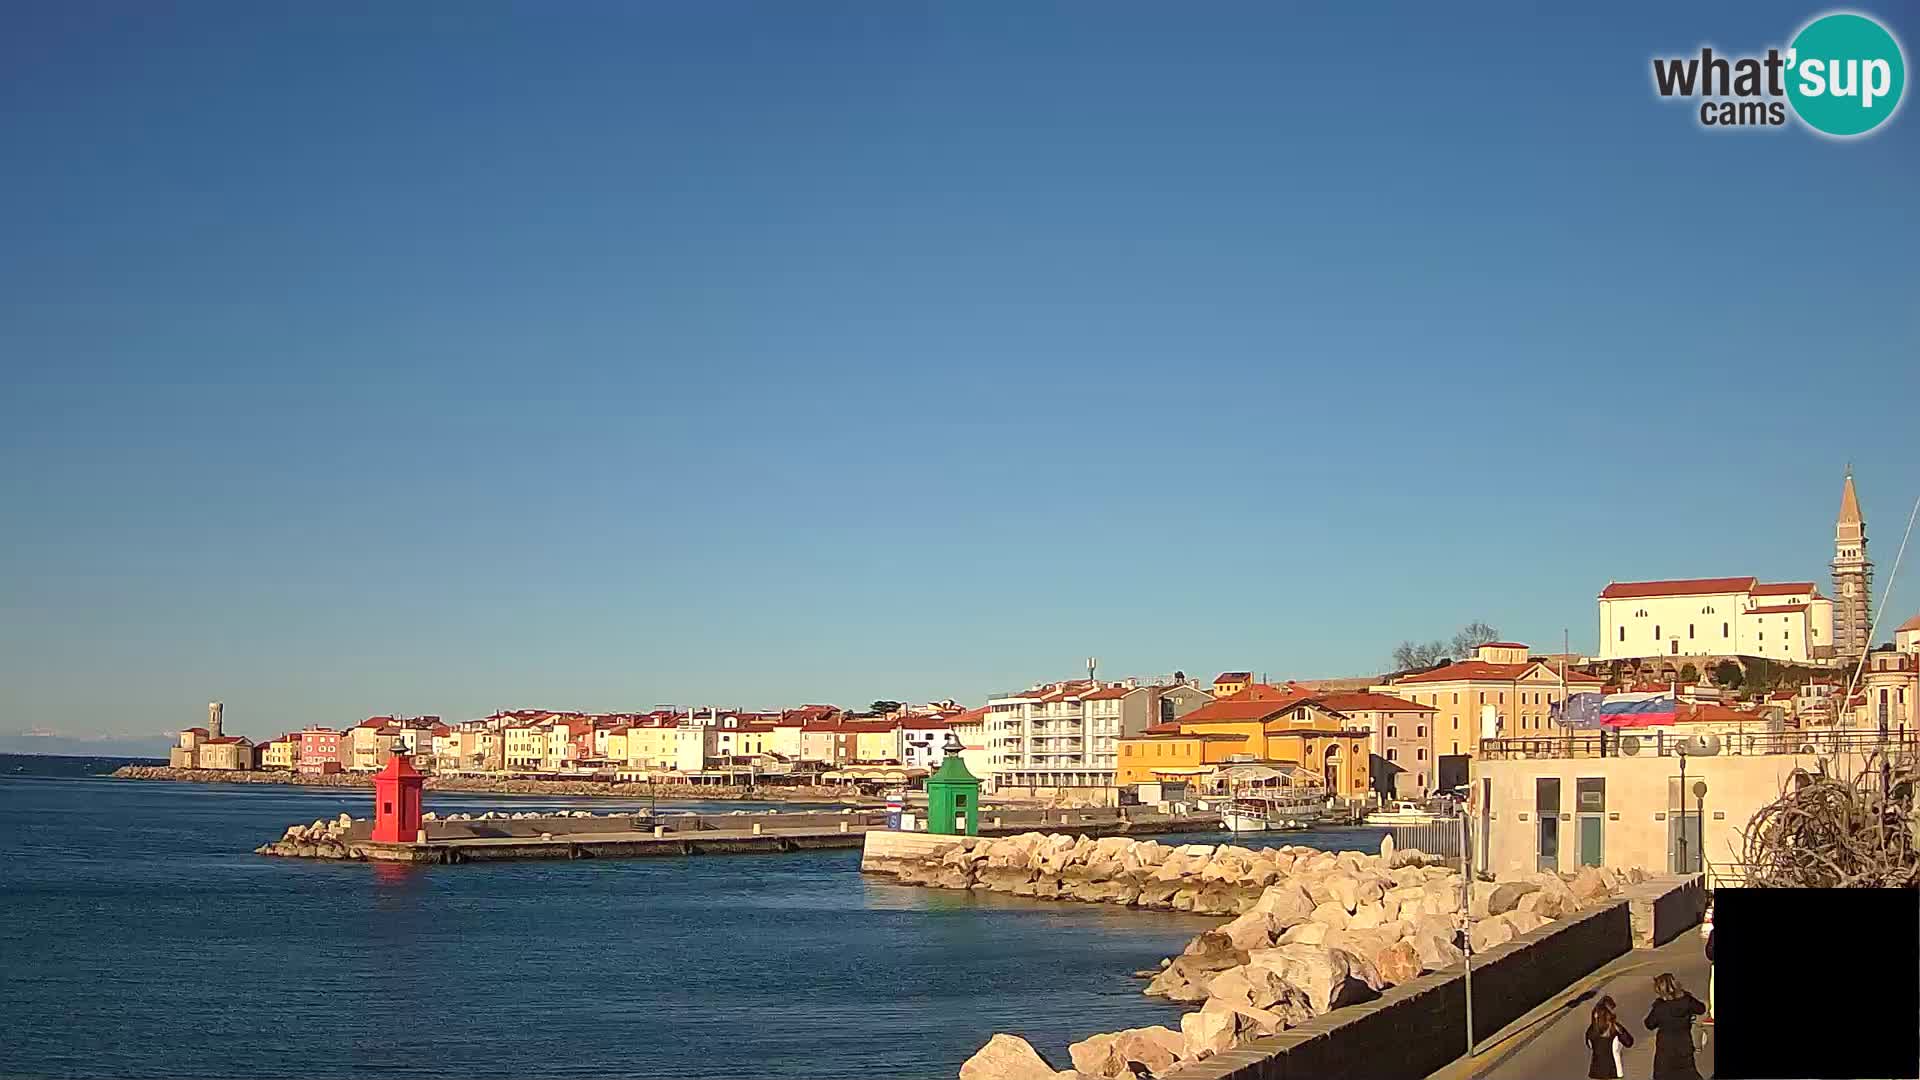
<point x="1742" y="616"/>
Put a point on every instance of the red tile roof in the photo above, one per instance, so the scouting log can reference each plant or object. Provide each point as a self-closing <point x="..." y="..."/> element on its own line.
<point x="1502" y="645"/>
<point x="196" y="730"/>
<point x="1239" y="708"/>
<point x="1629" y="590"/>
<point x="1234" y="676"/>
<point x="971" y="716"/>
<point x="1776" y="609"/>
<point x="1367" y="701"/>
<point x="1481" y="671"/>
<point x="1910" y="624"/>
<point x="1109" y="693"/>
<point x="1784" y="588"/>
<point x="1164" y="729"/>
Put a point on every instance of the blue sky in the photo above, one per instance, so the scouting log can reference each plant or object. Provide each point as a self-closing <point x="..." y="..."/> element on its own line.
<point x="437" y="358"/>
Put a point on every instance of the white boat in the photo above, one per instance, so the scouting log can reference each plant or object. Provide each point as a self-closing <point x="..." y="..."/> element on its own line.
<point x="1269" y="811"/>
<point x="1404" y="813"/>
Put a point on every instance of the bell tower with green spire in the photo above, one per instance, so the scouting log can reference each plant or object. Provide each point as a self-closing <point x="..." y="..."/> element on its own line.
<point x="1852" y="578"/>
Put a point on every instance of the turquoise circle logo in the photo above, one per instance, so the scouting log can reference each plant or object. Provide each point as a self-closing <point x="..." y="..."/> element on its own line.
<point x="1845" y="74"/>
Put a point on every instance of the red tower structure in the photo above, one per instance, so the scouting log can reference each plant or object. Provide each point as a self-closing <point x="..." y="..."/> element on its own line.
<point x="396" y="801"/>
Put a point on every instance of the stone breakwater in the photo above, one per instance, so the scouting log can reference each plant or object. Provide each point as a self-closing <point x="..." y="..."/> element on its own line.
<point x="1313" y="931"/>
<point x="503" y="786"/>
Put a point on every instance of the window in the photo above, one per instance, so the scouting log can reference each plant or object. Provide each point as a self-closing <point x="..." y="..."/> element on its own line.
<point x="1420" y="732"/>
<point x="1420" y="754"/>
<point x="1623" y="633"/>
<point x="1392" y="732"/>
<point x="1392" y="754"/>
<point x="1456" y="697"/>
<point x="1723" y="629"/>
<point x="1456" y="748"/>
<point x="1689" y="631"/>
<point x="1656" y="630"/>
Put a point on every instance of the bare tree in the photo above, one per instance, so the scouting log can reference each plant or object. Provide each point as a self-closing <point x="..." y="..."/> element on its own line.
<point x="1414" y="654"/>
<point x="1472" y="636"/>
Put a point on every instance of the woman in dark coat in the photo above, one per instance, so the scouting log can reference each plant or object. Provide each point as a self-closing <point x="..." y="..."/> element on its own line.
<point x="1671" y="1019"/>
<point x="1602" y="1033"/>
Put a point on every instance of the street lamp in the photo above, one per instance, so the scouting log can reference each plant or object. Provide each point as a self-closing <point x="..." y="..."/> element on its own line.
<point x="1682" y="867"/>
<point x="1700" y="815"/>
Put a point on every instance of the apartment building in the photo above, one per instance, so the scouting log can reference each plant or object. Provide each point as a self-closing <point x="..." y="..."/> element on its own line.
<point x="1063" y="737"/>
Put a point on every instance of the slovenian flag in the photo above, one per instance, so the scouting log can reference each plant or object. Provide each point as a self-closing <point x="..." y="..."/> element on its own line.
<point x="1637" y="710"/>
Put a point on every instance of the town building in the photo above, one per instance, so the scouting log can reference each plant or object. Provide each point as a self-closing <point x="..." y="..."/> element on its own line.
<point x="923" y="741"/>
<point x="1229" y="683"/>
<point x="1261" y="725"/>
<point x="1400" y="740"/>
<point x="1502" y="690"/>
<point x="1638" y="799"/>
<point x="1888" y="690"/>
<point x="186" y="754"/>
<point x="970" y="730"/>
<point x="1716" y="617"/>
<point x="1063" y="738"/>
<point x="227" y="753"/>
<point x="281" y="753"/>
<point x="1907" y="637"/>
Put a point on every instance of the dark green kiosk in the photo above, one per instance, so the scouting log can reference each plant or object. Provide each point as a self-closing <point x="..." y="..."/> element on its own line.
<point x="951" y="792"/>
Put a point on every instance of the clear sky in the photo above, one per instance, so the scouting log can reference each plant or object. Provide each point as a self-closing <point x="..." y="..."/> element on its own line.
<point x="445" y="357"/>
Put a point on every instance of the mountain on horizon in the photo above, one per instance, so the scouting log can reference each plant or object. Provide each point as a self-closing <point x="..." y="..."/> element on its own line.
<point x="141" y="746"/>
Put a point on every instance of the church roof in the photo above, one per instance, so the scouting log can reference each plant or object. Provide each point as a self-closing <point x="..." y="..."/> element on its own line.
<point x="1785" y="588"/>
<point x="1849" y="503"/>
<point x="1910" y="624"/>
<point x="1633" y="590"/>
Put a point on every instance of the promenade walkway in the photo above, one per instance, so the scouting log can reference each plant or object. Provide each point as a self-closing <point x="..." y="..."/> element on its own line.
<point x="1550" y="1040"/>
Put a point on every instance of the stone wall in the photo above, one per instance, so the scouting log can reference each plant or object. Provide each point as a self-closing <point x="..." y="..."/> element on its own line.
<point x="1418" y="1027"/>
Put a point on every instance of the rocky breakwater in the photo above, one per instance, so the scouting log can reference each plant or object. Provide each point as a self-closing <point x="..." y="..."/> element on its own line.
<point x="1313" y="931"/>
<point x="323" y="839"/>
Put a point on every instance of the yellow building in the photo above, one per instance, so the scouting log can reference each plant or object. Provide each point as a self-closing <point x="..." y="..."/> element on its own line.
<point x="1500" y="687"/>
<point x="617" y="744"/>
<point x="1258" y="726"/>
<point x="281" y="753"/>
<point x="526" y="746"/>
<point x="653" y="747"/>
<point x="874" y="740"/>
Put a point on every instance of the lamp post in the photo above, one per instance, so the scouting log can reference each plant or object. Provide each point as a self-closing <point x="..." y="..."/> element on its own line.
<point x="1700" y="815"/>
<point x="1682" y="867"/>
<point x="1466" y="906"/>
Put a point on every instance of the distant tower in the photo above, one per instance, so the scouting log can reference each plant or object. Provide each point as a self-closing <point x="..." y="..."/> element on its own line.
<point x="213" y="719"/>
<point x="1852" y="577"/>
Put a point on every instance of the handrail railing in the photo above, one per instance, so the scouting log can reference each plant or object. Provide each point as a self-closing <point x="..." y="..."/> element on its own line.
<point x="1596" y="744"/>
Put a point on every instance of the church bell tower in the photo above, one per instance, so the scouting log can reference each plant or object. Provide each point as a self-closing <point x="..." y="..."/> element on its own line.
<point x="1852" y="577"/>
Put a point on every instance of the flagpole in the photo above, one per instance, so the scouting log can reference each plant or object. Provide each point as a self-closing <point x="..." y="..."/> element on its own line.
<point x="1566" y="712"/>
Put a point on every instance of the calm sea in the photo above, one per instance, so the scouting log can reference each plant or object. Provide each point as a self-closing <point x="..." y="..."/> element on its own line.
<point x="141" y="937"/>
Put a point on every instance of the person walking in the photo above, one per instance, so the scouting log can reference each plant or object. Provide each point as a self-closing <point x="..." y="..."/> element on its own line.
<point x="1671" y="1020"/>
<point x="1710" y="976"/>
<point x="1605" y="1037"/>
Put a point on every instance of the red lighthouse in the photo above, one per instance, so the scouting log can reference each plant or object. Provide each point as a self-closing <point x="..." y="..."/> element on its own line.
<point x="396" y="801"/>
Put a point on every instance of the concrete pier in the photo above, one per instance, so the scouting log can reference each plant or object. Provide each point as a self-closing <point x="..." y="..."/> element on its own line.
<point x="450" y="842"/>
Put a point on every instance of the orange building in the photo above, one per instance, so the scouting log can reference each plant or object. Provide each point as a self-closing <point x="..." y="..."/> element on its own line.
<point x="1261" y="725"/>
